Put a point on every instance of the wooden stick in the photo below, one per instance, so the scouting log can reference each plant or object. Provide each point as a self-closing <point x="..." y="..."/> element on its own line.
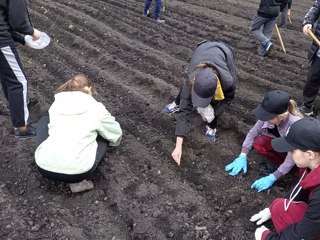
<point x="280" y="39"/>
<point x="289" y="19"/>
<point x="313" y="36"/>
<point x="164" y="6"/>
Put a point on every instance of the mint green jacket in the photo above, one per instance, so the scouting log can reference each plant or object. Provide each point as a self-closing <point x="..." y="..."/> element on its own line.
<point x="76" y="119"/>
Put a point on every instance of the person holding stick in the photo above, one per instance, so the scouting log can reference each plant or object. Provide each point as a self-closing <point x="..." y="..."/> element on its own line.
<point x="296" y="216"/>
<point x="15" y="22"/>
<point x="264" y="22"/>
<point x="312" y="84"/>
<point x="210" y="86"/>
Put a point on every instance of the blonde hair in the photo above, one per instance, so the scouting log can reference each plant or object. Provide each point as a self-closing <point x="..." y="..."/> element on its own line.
<point x="292" y="109"/>
<point x="77" y="83"/>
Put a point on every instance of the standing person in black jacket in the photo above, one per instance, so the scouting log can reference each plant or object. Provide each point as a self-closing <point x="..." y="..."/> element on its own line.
<point x="312" y="85"/>
<point x="210" y="86"/>
<point x="14" y="21"/>
<point x="263" y="23"/>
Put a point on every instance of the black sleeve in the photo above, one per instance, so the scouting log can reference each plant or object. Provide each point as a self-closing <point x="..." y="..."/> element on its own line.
<point x="313" y="14"/>
<point x="185" y="106"/>
<point x="220" y="107"/>
<point x="284" y="3"/>
<point x="17" y="37"/>
<point x="18" y="17"/>
<point x="289" y="4"/>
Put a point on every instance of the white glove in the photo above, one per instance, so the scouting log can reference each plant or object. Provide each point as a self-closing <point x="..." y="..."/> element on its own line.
<point x="262" y="216"/>
<point x="207" y="113"/>
<point x="259" y="231"/>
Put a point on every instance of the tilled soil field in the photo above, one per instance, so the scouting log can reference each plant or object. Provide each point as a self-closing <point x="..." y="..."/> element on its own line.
<point x="137" y="67"/>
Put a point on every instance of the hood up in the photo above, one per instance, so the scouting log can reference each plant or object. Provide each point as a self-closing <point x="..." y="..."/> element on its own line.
<point x="71" y="103"/>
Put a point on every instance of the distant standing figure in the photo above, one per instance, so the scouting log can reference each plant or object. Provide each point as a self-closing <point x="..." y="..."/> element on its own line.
<point x="312" y="85"/>
<point x="14" y="21"/>
<point x="284" y="14"/>
<point x="75" y="137"/>
<point x="157" y="10"/>
<point x="263" y="23"/>
<point x="210" y="86"/>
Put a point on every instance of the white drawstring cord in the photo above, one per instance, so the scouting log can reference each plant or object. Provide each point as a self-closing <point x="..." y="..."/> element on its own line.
<point x="291" y="198"/>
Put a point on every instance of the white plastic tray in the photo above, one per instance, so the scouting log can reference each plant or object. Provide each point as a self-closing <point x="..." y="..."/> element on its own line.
<point x="41" y="43"/>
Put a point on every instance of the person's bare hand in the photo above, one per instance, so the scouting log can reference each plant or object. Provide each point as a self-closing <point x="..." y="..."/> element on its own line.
<point x="307" y="28"/>
<point x="176" y="155"/>
<point x="36" y="34"/>
<point x="289" y="12"/>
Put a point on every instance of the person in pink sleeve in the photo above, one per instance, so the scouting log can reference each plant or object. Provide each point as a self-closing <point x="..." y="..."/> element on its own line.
<point x="275" y="114"/>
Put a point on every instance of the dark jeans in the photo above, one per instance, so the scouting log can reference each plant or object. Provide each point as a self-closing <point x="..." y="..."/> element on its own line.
<point x="157" y="8"/>
<point x="42" y="135"/>
<point x="312" y="85"/>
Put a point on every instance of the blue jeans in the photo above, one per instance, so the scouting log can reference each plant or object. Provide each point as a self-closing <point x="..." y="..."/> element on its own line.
<point x="157" y="8"/>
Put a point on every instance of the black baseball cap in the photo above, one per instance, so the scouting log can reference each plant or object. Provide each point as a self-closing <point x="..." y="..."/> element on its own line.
<point x="204" y="87"/>
<point x="274" y="103"/>
<point x="304" y="134"/>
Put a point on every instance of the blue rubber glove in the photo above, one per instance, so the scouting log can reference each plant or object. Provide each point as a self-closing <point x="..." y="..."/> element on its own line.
<point x="264" y="183"/>
<point x="240" y="163"/>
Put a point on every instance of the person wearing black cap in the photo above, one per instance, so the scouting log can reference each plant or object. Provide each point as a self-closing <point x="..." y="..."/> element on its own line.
<point x="297" y="216"/>
<point x="210" y="86"/>
<point x="276" y="114"/>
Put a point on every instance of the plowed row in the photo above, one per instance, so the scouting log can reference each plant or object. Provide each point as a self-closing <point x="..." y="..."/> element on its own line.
<point x="137" y="67"/>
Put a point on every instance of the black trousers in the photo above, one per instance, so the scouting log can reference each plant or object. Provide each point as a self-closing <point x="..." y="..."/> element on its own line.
<point x="42" y="134"/>
<point x="312" y="85"/>
<point x="14" y="85"/>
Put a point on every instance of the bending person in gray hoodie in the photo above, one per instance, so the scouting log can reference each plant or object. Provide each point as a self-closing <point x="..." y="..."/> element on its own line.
<point x="210" y="86"/>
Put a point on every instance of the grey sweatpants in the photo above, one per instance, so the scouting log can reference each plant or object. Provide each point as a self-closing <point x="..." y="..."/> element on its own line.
<point x="262" y="28"/>
<point x="283" y="16"/>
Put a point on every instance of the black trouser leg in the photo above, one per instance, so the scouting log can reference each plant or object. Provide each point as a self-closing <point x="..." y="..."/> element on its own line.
<point x="214" y="123"/>
<point x="312" y="86"/>
<point x="178" y="98"/>
<point x="14" y="84"/>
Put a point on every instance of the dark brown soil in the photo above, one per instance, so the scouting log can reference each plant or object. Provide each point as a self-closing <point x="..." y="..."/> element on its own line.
<point x="137" y="67"/>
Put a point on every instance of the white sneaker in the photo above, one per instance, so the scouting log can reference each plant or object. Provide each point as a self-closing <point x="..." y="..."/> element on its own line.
<point x="148" y="14"/>
<point x="82" y="186"/>
<point x="171" y="108"/>
<point x="160" y="20"/>
<point x="211" y="134"/>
